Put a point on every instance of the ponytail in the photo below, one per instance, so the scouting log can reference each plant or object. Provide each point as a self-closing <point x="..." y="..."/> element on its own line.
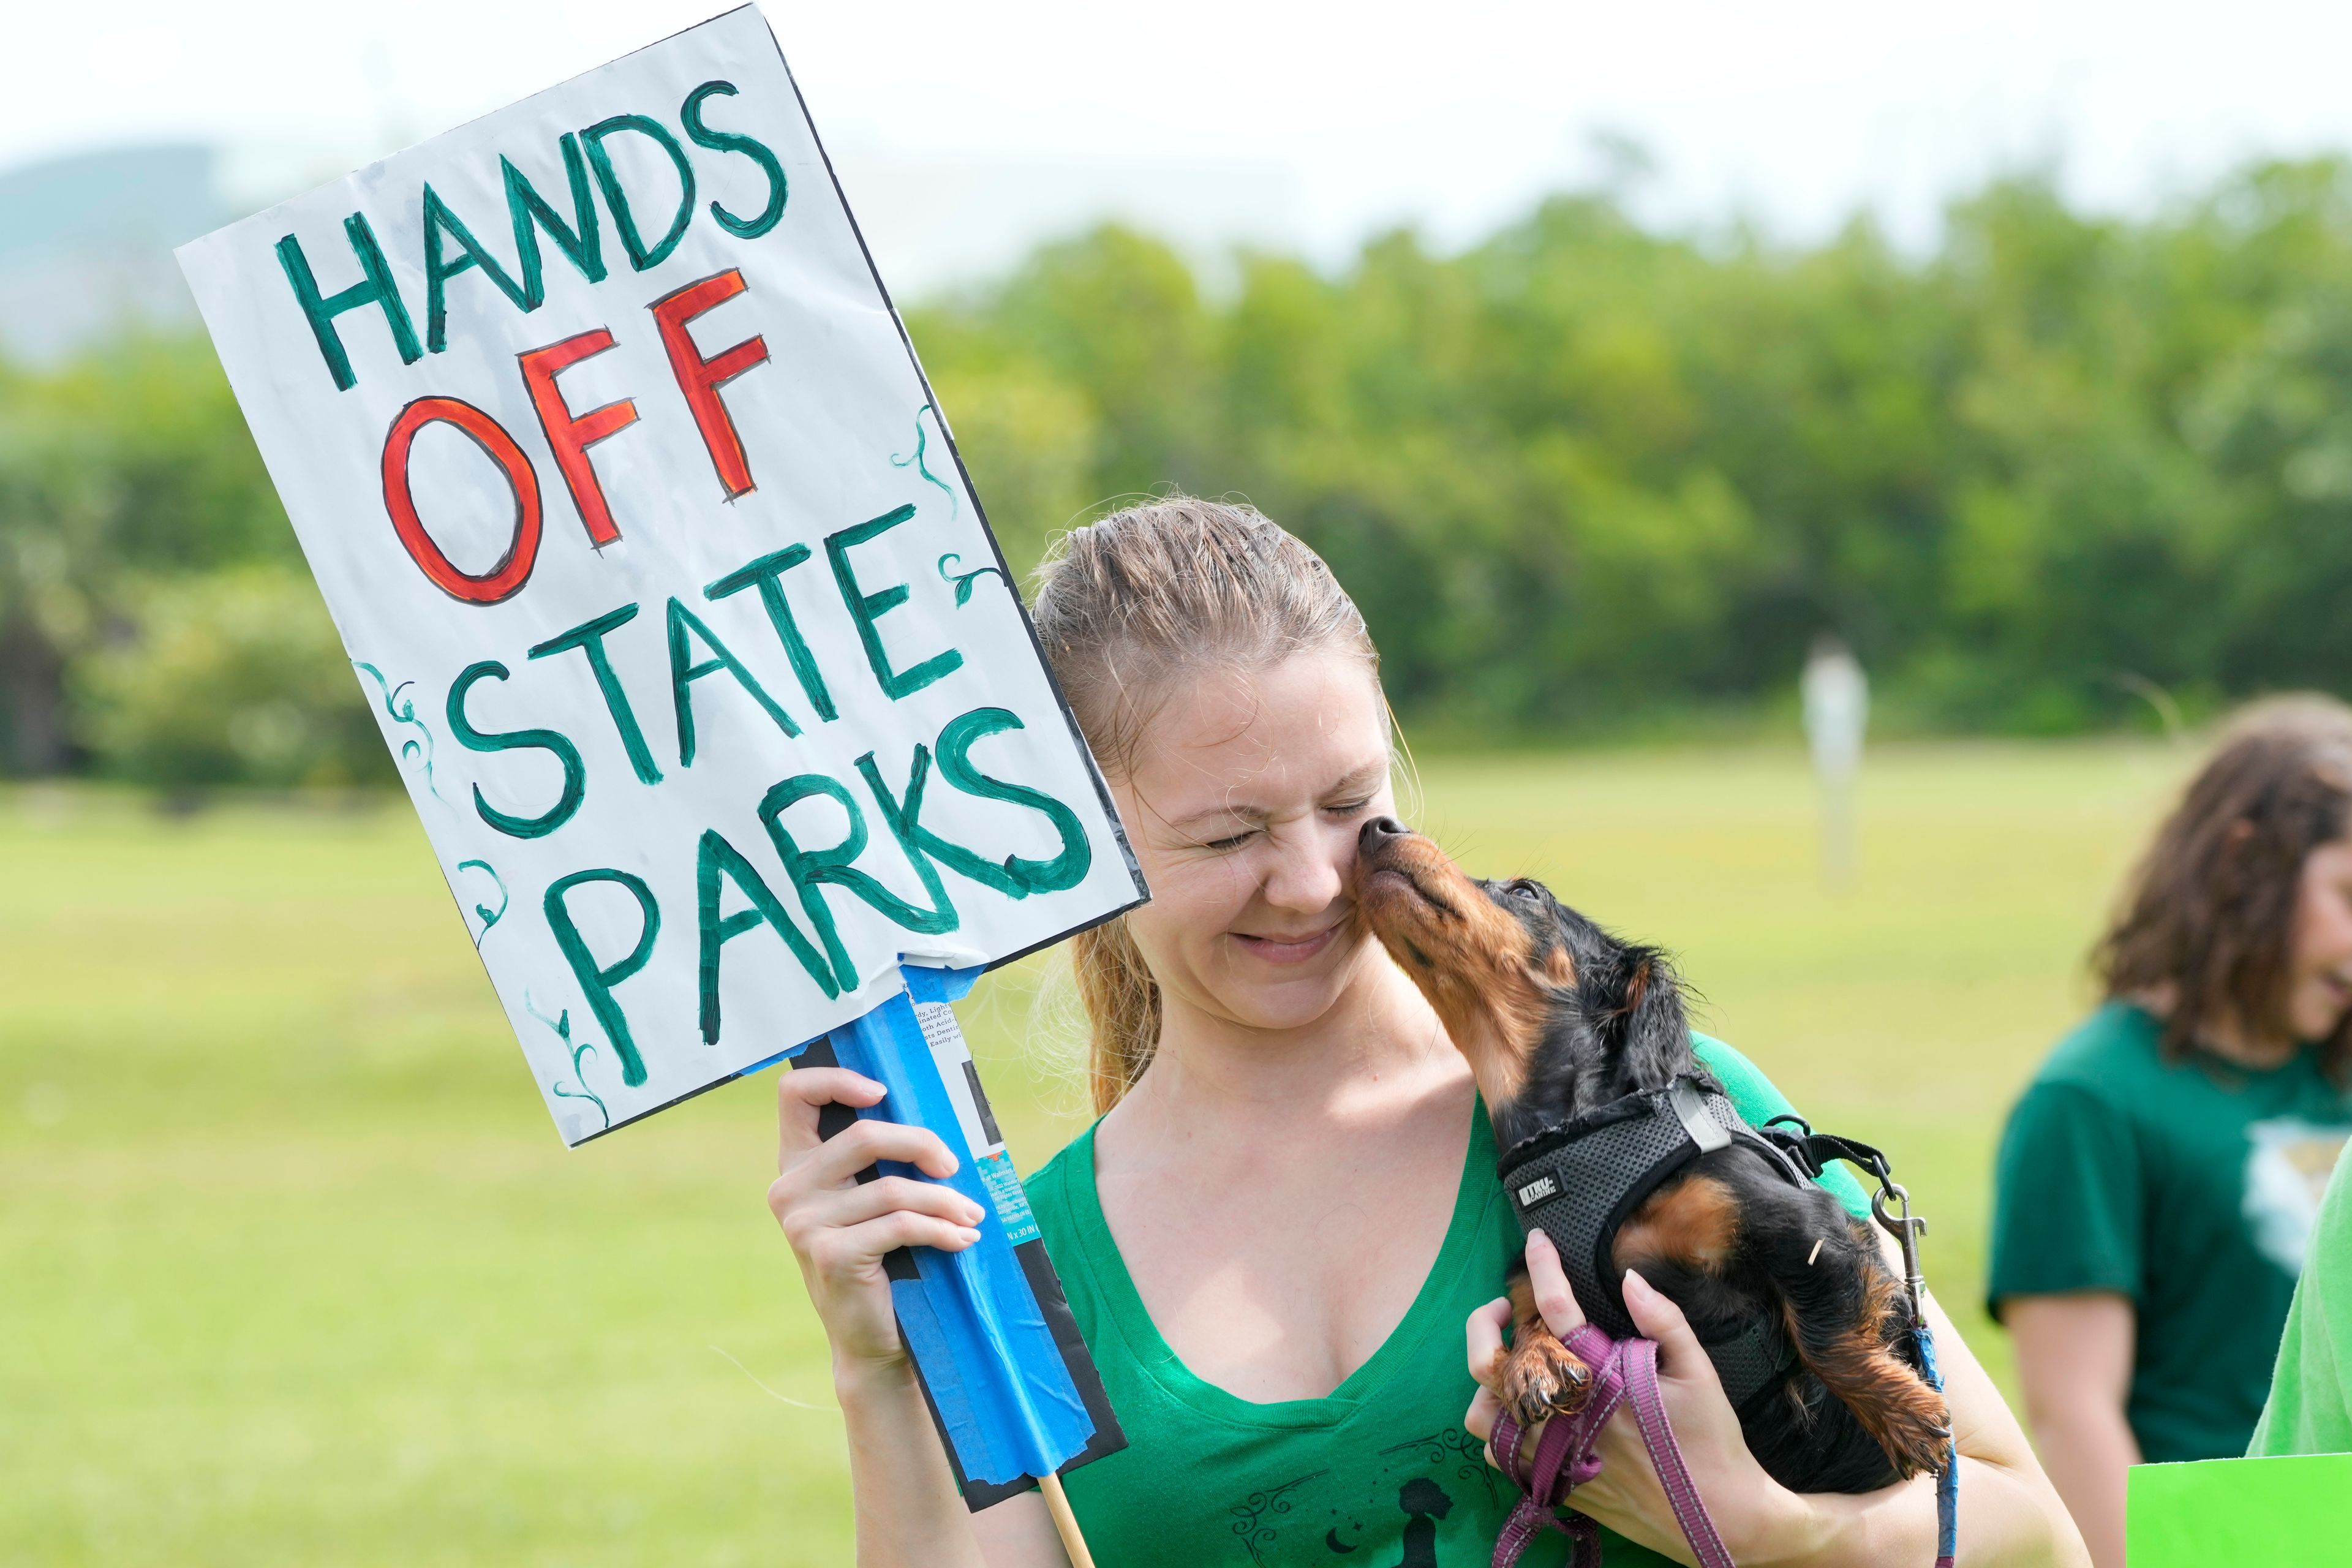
<point x="1122" y="1003"/>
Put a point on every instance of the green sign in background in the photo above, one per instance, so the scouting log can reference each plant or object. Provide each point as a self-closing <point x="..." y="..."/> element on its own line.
<point x="2278" y="1513"/>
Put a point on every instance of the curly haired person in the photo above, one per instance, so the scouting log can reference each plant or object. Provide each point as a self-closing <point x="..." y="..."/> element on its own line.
<point x="2158" y="1181"/>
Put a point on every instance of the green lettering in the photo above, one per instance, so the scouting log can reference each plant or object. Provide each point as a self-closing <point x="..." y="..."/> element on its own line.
<point x="721" y="860"/>
<point x="765" y="574"/>
<point x="528" y="211"/>
<point x="440" y="220"/>
<point x="919" y="844"/>
<point x="810" y="870"/>
<point x="597" y="983"/>
<point x="375" y="288"/>
<point x="701" y="135"/>
<point x="1066" y="869"/>
<point x="575" y="773"/>
<point x="683" y="673"/>
<point x="589" y="639"/>
<point x="609" y="182"/>
<point x="868" y="608"/>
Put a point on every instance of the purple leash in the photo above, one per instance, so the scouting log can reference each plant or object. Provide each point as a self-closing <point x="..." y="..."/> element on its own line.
<point x="1564" y="1460"/>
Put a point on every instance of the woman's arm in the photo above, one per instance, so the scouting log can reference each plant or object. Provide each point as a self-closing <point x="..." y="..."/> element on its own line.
<point x="2074" y="1359"/>
<point x="907" y="1509"/>
<point x="2008" y="1514"/>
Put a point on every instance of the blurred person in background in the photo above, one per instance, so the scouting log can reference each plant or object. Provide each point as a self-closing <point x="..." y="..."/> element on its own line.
<point x="1836" y="697"/>
<point x="2158" y="1181"/>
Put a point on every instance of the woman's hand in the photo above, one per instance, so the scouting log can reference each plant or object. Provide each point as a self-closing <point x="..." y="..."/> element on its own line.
<point x="907" y="1505"/>
<point x="2009" y="1514"/>
<point x="1760" y="1521"/>
<point x="840" y="1227"/>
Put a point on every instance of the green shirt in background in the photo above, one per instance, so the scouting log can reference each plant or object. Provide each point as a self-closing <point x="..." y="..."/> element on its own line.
<point x="2310" y="1408"/>
<point x="2189" y="1186"/>
<point x="1381" y="1467"/>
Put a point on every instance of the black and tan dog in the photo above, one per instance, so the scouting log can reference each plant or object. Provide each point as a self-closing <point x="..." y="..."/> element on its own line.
<point x="1557" y="1017"/>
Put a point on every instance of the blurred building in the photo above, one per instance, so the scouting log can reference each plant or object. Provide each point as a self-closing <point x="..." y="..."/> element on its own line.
<point x="85" y="240"/>
<point x="86" y="243"/>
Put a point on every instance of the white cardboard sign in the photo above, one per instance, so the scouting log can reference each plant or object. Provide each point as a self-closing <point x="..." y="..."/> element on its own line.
<point x="658" y="565"/>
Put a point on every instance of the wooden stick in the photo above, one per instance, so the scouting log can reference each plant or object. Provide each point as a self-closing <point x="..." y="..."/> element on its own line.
<point x="1057" y="1503"/>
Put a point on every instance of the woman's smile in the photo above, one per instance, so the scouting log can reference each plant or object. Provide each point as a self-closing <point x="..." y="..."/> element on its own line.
<point x="1287" y="948"/>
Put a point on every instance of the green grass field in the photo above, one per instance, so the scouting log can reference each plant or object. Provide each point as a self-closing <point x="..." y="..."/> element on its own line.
<point x="294" y="1270"/>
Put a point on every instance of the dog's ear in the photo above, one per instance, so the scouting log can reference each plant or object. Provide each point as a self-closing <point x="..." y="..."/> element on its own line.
<point x="1656" y="1030"/>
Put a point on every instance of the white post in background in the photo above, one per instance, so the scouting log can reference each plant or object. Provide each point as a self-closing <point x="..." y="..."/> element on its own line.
<point x="1837" y="710"/>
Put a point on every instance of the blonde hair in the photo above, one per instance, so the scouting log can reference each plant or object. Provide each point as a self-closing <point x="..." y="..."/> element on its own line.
<point x="1126" y="605"/>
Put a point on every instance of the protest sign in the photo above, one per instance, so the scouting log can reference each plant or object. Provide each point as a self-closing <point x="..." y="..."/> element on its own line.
<point x="653" y="552"/>
<point x="655" y="560"/>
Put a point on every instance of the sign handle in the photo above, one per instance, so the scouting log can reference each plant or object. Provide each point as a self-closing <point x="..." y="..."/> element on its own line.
<point x="1057" y="1503"/>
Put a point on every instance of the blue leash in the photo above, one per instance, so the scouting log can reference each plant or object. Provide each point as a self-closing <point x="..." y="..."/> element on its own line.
<point x="1948" y="1484"/>
<point x="1906" y="1228"/>
<point x="1812" y="1151"/>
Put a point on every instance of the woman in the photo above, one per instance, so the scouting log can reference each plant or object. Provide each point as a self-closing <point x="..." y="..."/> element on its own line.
<point x="1274" y="1236"/>
<point x="2158" y="1180"/>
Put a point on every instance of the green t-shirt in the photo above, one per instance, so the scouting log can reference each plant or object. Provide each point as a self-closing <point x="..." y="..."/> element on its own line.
<point x="1380" y="1466"/>
<point x="2189" y="1186"/>
<point x="2310" y="1408"/>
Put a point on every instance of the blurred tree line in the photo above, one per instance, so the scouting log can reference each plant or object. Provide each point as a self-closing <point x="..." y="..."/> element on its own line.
<point x="1580" y="475"/>
<point x="156" y="620"/>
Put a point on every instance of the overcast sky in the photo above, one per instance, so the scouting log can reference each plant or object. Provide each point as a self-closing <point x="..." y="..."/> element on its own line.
<point x="1330" y="120"/>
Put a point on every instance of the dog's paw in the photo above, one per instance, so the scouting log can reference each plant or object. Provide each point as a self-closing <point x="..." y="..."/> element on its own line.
<point x="1540" y="1377"/>
<point x="1917" y="1430"/>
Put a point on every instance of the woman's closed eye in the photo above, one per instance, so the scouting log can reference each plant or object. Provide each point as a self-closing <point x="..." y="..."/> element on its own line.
<point x="1338" y="810"/>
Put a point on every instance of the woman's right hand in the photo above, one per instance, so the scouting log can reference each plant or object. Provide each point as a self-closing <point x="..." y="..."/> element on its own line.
<point x="1760" y="1520"/>
<point x="908" y="1507"/>
<point x="840" y="1227"/>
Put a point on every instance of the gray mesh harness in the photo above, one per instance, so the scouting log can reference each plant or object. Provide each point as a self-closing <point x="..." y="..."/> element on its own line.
<point x="1578" y="1182"/>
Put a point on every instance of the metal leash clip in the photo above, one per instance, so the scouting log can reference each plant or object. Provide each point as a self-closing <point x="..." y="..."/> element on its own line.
<point x="1891" y="1207"/>
<point x="1906" y="1228"/>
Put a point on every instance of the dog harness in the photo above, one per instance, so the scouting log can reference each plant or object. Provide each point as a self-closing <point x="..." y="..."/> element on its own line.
<point x="1578" y="1182"/>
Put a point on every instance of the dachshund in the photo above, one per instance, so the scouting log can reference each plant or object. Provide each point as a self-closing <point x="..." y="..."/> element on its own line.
<point x="1557" y="1017"/>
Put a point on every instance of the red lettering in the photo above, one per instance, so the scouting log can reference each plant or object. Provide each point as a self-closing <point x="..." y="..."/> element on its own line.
<point x="572" y="437"/>
<point x="701" y="378"/>
<point x="514" y="567"/>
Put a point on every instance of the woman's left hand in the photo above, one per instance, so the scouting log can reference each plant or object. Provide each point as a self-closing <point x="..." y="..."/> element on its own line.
<point x="1760" y="1521"/>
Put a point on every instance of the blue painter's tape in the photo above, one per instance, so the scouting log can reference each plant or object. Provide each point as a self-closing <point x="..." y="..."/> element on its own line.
<point x="780" y="1057"/>
<point x="922" y="985"/>
<point x="996" y="1377"/>
<point x="940" y="984"/>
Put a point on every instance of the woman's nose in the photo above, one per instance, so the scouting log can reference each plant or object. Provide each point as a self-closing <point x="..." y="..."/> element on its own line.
<point x="1308" y="873"/>
<point x="1378" y="828"/>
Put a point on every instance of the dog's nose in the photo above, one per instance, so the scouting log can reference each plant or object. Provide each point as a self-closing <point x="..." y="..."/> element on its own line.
<point x="1379" y="829"/>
